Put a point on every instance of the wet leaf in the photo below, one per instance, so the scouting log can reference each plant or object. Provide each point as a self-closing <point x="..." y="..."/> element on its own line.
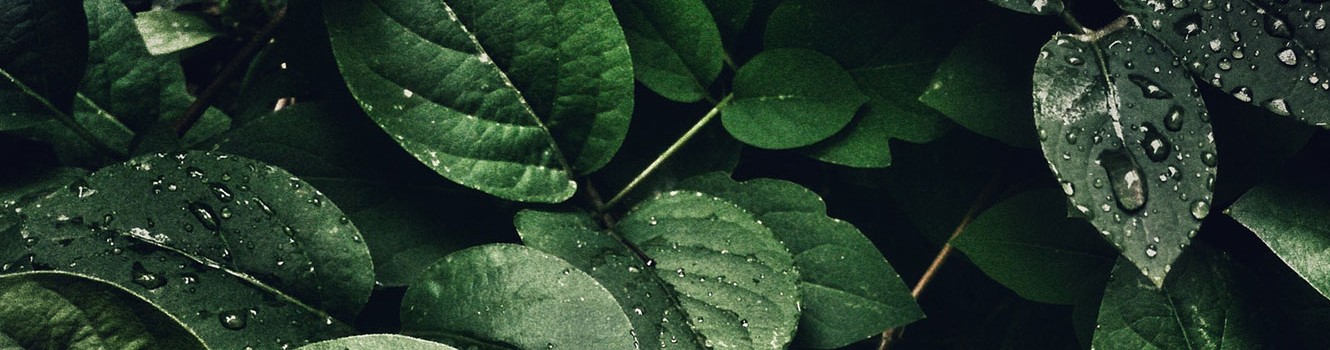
<point x="1027" y="243"/>
<point x="789" y="98"/>
<point x="535" y="93"/>
<point x="55" y="310"/>
<point x="1128" y="137"/>
<point x="376" y="342"/>
<point x="226" y="245"/>
<point x="1267" y="53"/>
<point x="510" y="296"/>
<point x="166" y="31"/>
<point x="675" y="46"/>
<point x="1289" y="216"/>
<point x="1035" y="7"/>
<point x="1201" y="306"/>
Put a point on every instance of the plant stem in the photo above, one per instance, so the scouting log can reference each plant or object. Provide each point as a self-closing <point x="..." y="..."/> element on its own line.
<point x="241" y="59"/>
<point x="1072" y="22"/>
<point x="979" y="203"/>
<point x="64" y="118"/>
<point x="715" y="111"/>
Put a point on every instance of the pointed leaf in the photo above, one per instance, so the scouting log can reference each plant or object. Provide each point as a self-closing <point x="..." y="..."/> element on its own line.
<point x="512" y="98"/>
<point x="176" y="229"/>
<point x="1267" y="53"/>
<point x="1201" y="307"/>
<point x="1130" y="144"/>
<point x="376" y="342"/>
<point x="54" y="310"/>
<point x="675" y="46"/>
<point x="788" y="98"/>
<point x="510" y="296"/>
<point x="166" y="31"/>
<point x="1289" y="216"/>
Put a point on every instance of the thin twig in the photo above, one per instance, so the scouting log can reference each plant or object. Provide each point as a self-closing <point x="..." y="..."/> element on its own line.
<point x="715" y="111"/>
<point x="606" y="221"/>
<point x="979" y="203"/>
<point x="241" y="59"/>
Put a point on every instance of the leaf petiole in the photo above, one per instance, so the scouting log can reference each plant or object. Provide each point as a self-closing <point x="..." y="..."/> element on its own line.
<point x="715" y="111"/>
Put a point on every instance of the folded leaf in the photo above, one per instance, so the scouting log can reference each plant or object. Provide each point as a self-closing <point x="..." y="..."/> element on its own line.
<point x="55" y="310"/>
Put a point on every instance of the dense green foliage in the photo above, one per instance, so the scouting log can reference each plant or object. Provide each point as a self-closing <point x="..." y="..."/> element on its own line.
<point x="681" y="174"/>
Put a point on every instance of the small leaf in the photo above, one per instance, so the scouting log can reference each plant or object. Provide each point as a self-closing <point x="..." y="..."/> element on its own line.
<point x="864" y="143"/>
<point x="1201" y="307"/>
<point x="1034" y="7"/>
<point x="511" y="296"/>
<point x="1289" y="216"/>
<point x="1130" y="145"/>
<point x="179" y="229"/>
<point x="55" y="310"/>
<point x="167" y="31"/>
<point x="790" y="98"/>
<point x="512" y="99"/>
<point x="675" y="46"/>
<point x="1263" y="53"/>
<point x="1027" y="243"/>
<point x="376" y="342"/>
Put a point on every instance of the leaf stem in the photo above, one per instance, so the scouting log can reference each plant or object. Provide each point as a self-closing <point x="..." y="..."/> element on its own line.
<point x="979" y="203"/>
<point x="196" y="109"/>
<point x="65" y="118"/>
<point x="674" y="148"/>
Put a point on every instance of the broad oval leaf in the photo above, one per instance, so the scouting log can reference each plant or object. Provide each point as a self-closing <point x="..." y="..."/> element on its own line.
<point x="510" y="98"/>
<point x="1128" y="137"/>
<point x="865" y="141"/>
<point x="237" y="250"/>
<point x="1201" y="307"/>
<point x="56" y="310"/>
<point x="510" y="296"/>
<point x="788" y="98"/>
<point x="676" y="46"/>
<point x="376" y="342"/>
<point x="1289" y="216"/>
<point x="1267" y="53"/>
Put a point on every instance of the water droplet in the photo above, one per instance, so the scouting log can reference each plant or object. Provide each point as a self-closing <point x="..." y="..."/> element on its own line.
<point x="680" y="272"/>
<point x="233" y="320"/>
<point x="1277" y="106"/>
<point x="1209" y="159"/>
<point x="1225" y="64"/>
<point x="226" y="213"/>
<point x="1148" y="87"/>
<point x="1068" y="188"/>
<point x="1075" y="61"/>
<point x="206" y="216"/>
<point x="1242" y="93"/>
<point x="145" y="279"/>
<point x="1319" y="24"/>
<point x="652" y="221"/>
<point x="1200" y="209"/>
<point x="1072" y="137"/>
<point x="743" y="323"/>
<point x="1151" y="251"/>
<point x="1277" y="27"/>
<point x="1125" y="178"/>
<point x="263" y="206"/>
<point x="1188" y="25"/>
<point x="1155" y="144"/>
<point x="1173" y="120"/>
<point x="1287" y="57"/>
<point x="223" y="194"/>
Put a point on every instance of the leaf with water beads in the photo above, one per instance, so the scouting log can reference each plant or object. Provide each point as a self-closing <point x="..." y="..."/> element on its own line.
<point x="237" y="250"/>
<point x="1125" y="131"/>
<point x="1267" y="53"/>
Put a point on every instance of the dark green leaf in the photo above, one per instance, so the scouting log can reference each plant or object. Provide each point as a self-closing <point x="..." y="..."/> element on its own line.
<point x="376" y="342"/>
<point x="508" y="118"/>
<point x="849" y="290"/>
<point x="982" y="85"/>
<point x="1130" y="144"/>
<point x="220" y="242"/>
<point x="53" y="310"/>
<point x="1289" y="215"/>
<point x="1036" y="7"/>
<point x="1267" y="53"/>
<point x="1027" y="243"/>
<point x="166" y="31"/>
<point x="45" y="46"/>
<point x="1201" y="307"/>
<point x="731" y="15"/>
<point x="511" y="296"/>
<point x="788" y="98"/>
<point x="675" y="45"/>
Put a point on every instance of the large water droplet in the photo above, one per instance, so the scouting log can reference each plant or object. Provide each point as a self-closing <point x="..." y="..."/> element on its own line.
<point x="1209" y="159"/>
<point x="1288" y="57"/>
<point x="1151" y="251"/>
<point x="1155" y="144"/>
<point x="233" y="320"/>
<point x="1148" y="87"/>
<point x="1200" y="209"/>
<point x="1242" y="93"/>
<point x="1068" y="188"/>
<point x="1277" y="27"/>
<point x="145" y="279"/>
<point x="1277" y="106"/>
<point x="1173" y="120"/>
<point x="1125" y="178"/>
<point x="206" y="216"/>
<point x="223" y="194"/>
<point x="1188" y="25"/>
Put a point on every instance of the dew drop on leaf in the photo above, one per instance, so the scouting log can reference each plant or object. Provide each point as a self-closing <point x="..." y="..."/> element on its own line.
<point x="1157" y="147"/>
<point x="1277" y="27"/>
<point x="206" y="216"/>
<point x="1173" y="120"/>
<point x="1125" y="179"/>
<point x="223" y="194"/>
<point x="1277" y="106"/>
<point x="145" y="279"/>
<point x="233" y="320"/>
<point x="1287" y="57"/>
<point x="1200" y="209"/>
<point x="1151" y="251"/>
<point x="1148" y="87"/>
<point x="1188" y="25"/>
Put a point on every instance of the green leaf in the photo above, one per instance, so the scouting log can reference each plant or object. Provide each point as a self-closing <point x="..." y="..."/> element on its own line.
<point x="1289" y="216"/>
<point x="865" y="142"/>
<point x="1201" y="307"/>
<point x="376" y="342"/>
<point x="1131" y="145"/>
<point x="222" y="243"/>
<point x="46" y="52"/>
<point x="1034" y="7"/>
<point x="788" y="98"/>
<point x="1027" y="243"/>
<point x="533" y="95"/>
<point x="510" y="296"/>
<point x="1264" y="53"/>
<point x="983" y="82"/>
<point x="731" y="15"/>
<point x="167" y="31"/>
<point x="55" y="310"/>
<point x="849" y="290"/>
<point x="676" y="46"/>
